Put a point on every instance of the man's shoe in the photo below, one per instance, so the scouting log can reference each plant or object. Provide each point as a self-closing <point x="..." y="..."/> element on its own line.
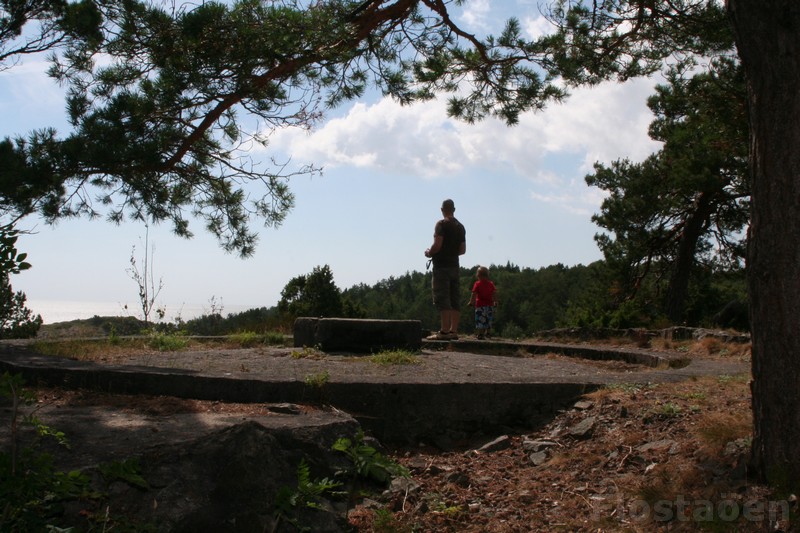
<point x="439" y="336"/>
<point x="453" y="336"/>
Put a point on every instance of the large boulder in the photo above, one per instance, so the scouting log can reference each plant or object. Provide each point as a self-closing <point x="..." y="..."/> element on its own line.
<point x="231" y="480"/>
<point x="357" y="335"/>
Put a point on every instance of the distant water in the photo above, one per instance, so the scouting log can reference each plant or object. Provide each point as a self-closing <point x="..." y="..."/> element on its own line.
<point x="63" y="311"/>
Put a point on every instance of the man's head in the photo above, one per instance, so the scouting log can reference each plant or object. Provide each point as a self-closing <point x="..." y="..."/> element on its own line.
<point x="448" y="207"/>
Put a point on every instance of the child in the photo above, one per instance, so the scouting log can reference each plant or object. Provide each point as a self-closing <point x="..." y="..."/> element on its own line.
<point x="484" y="300"/>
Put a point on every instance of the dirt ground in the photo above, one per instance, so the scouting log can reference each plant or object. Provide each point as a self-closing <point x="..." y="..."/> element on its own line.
<point x="669" y="456"/>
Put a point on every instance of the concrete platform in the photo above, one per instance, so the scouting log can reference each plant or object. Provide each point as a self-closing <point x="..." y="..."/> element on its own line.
<point x="451" y="390"/>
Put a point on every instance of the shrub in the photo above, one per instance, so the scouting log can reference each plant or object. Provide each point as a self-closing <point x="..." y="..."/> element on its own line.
<point x="167" y="343"/>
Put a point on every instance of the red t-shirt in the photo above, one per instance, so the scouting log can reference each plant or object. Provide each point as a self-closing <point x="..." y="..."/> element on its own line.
<point x="483" y="290"/>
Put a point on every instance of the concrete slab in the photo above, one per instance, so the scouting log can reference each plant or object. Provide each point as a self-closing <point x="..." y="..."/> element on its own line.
<point x="450" y="389"/>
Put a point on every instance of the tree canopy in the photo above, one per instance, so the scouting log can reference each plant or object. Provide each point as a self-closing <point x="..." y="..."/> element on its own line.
<point x="688" y="204"/>
<point x="155" y="96"/>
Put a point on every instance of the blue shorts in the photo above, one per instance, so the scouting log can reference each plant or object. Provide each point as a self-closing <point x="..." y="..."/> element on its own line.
<point x="484" y="317"/>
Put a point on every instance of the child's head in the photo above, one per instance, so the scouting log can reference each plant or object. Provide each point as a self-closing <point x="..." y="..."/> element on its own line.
<point x="483" y="272"/>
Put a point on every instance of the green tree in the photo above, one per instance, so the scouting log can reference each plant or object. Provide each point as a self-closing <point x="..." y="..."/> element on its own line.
<point x="154" y="105"/>
<point x="16" y="320"/>
<point x="686" y="206"/>
<point x="623" y="38"/>
<point x="313" y="295"/>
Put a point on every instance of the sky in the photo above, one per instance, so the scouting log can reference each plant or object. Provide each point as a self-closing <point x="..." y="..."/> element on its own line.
<point x="519" y="191"/>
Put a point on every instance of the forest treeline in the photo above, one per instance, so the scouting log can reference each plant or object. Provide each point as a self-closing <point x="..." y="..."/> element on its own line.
<point x="530" y="301"/>
<point x="533" y="300"/>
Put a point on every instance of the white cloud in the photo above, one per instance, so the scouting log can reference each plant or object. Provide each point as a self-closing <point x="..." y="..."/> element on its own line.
<point x="603" y="123"/>
<point x="30" y="99"/>
<point x="385" y="136"/>
<point x="539" y="26"/>
<point x="476" y="14"/>
<point x="574" y="198"/>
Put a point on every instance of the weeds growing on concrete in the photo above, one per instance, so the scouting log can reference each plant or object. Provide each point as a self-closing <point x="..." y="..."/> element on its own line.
<point x="396" y="357"/>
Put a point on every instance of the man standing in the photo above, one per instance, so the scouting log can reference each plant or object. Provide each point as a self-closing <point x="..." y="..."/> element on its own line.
<point x="449" y="242"/>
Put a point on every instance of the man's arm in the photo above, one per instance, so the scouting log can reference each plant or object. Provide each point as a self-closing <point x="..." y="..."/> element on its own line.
<point x="436" y="246"/>
<point x="462" y="249"/>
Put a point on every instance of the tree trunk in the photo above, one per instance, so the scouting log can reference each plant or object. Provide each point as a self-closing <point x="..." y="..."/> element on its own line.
<point x="768" y="41"/>
<point x="696" y="224"/>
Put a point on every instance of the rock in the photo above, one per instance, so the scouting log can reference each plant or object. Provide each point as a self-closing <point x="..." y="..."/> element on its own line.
<point x="403" y="486"/>
<point x="500" y="443"/>
<point x="285" y="408"/>
<point x="736" y="447"/>
<point x="538" y="458"/>
<point x="583" y="429"/>
<point x="527" y="497"/>
<point x="537" y="445"/>
<point x="229" y="480"/>
<point x="417" y="463"/>
<point x="583" y="405"/>
<point x="657" y="446"/>
<point x="458" y="478"/>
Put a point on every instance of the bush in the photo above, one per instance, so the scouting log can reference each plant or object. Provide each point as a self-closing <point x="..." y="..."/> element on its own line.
<point x="16" y="320"/>
<point x="167" y="343"/>
<point x="512" y="331"/>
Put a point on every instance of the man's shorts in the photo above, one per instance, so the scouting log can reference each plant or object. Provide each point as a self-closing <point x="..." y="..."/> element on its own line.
<point x="445" y="289"/>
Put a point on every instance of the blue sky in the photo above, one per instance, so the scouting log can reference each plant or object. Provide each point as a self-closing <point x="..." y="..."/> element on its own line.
<point x="519" y="191"/>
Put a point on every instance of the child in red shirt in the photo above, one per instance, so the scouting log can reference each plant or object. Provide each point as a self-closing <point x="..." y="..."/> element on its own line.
<point x="484" y="299"/>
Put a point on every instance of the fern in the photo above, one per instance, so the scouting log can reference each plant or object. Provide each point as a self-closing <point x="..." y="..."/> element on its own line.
<point x="368" y="463"/>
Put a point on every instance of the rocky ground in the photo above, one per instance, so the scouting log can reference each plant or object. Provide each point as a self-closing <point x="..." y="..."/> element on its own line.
<point x="659" y="457"/>
<point x="667" y="457"/>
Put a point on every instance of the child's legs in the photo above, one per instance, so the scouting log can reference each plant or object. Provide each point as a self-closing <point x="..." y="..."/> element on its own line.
<point x="482" y="318"/>
<point x="489" y="318"/>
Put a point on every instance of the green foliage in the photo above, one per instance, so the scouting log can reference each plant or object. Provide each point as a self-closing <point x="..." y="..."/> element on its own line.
<point x="367" y="462"/>
<point x="682" y="212"/>
<point x="127" y="470"/>
<point x="156" y="125"/>
<point x="534" y="300"/>
<point x="596" y="41"/>
<point x="34" y="494"/>
<point x="307" y="353"/>
<point x="395" y="357"/>
<point x="512" y="331"/>
<point x="274" y="338"/>
<point x="318" y="380"/>
<point x="11" y="262"/>
<point x="120" y="325"/>
<point x="260" y="320"/>
<point x="312" y="295"/>
<point x="248" y="339"/>
<point x="32" y="491"/>
<point x="16" y="320"/>
<point x="385" y="522"/>
<point x="167" y="343"/>
<point x="307" y="494"/>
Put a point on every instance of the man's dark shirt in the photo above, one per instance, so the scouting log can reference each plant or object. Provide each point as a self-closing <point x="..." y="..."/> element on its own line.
<point x="454" y="235"/>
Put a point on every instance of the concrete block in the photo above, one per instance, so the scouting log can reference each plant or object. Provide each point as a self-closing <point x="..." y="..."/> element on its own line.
<point x="357" y="335"/>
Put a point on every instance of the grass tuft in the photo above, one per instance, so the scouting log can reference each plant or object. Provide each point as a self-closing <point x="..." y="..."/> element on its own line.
<point x="396" y="357"/>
